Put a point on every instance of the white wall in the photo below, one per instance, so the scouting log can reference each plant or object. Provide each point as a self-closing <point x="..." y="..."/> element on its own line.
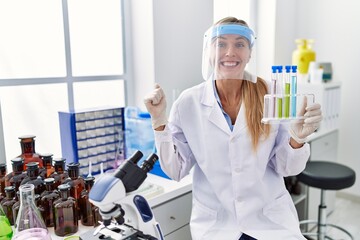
<point x="170" y="54"/>
<point x="334" y="25"/>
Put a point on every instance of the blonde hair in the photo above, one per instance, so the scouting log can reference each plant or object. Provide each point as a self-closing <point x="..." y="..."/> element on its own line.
<point x="253" y="98"/>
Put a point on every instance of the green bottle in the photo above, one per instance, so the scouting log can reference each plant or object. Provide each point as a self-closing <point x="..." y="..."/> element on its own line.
<point x="5" y="228"/>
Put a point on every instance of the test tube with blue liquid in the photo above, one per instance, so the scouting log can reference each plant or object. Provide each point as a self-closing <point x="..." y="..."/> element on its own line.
<point x="293" y="90"/>
<point x="287" y="92"/>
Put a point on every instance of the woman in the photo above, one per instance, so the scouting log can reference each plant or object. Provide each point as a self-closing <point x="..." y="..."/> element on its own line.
<point x="238" y="162"/>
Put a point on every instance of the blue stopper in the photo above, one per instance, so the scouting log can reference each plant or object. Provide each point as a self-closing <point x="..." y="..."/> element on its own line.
<point x="294" y="68"/>
<point x="288" y="68"/>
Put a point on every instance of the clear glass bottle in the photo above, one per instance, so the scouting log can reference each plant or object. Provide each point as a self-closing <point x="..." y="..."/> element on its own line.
<point x="60" y="175"/>
<point x="48" y="168"/>
<point x="87" y="209"/>
<point x="2" y="180"/>
<point x="65" y="213"/>
<point x="29" y="223"/>
<point x="6" y="231"/>
<point x="28" y="153"/>
<point x="48" y="197"/>
<point x="8" y="202"/>
<point x="15" y="177"/>
<point x="33" y="177"/>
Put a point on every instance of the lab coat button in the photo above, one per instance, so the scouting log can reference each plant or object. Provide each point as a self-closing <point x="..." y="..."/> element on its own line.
<point x="232" y="140"/>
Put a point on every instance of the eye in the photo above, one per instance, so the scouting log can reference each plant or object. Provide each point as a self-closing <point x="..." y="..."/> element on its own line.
<point x="240" y="45"/>
<point x="221" y="44"/>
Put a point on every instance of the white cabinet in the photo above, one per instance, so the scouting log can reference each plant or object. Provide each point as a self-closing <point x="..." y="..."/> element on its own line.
<point x="174" y="217"/>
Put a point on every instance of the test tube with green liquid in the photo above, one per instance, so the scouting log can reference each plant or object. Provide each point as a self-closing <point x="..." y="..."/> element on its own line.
<point x="287" y="92"/>
<point x="279" y="93"/>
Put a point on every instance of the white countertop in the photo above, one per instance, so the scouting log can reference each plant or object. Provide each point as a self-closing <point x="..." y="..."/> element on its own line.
<point x="171" y="189"/>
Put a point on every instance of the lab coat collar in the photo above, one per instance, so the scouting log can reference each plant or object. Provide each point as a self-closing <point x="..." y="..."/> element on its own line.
<point x="215" y="114"/>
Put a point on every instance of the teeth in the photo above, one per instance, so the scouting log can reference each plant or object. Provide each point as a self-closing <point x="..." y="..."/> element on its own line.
<point x="229" y="64"/>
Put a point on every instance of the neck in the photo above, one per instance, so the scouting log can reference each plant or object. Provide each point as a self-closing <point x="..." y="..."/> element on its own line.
<point x="229" y="91"/>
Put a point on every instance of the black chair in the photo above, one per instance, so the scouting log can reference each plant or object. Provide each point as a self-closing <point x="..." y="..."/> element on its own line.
<point x="325" y="176"/>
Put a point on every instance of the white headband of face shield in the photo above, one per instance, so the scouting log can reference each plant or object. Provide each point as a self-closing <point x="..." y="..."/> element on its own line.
<point x="227" y="51"/>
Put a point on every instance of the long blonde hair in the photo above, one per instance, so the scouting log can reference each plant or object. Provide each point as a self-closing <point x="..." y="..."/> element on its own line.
<point x="253" y="98"/>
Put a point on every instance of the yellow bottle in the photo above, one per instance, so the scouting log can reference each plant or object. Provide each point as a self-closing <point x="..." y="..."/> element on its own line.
<point x="303" y="55"/>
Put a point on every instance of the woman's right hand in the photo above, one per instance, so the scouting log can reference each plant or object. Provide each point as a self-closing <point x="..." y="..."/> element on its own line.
<point x="155" y="103"/>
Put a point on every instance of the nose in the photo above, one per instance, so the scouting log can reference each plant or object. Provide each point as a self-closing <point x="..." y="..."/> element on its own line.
<point x="230" y="51"/>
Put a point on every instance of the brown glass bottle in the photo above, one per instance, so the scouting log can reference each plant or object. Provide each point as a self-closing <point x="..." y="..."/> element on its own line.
<point x="16" y="206"/>
<point x="87" y="209"/>
<point x="2" y="180"/>
<point x="8" y="202"/>
<point x="27" y="143"/>
<point x="33" y="177"/>
<point x="75" y="181"/>
<point x="48" y="197"/>
<point x="15" y="177"/>
<point x="65" y="213"/>
<point x="60" y="175"/>
<point x="48" y="168"/>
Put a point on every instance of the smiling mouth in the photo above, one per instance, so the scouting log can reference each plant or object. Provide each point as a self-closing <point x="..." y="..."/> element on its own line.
<point x="229" y="64"/>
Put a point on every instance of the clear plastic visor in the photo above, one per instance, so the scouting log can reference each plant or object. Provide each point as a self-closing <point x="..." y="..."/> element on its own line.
<point x="228" y="53"/>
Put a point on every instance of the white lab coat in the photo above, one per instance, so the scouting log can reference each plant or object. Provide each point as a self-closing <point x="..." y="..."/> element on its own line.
<point x="235" y="189"/>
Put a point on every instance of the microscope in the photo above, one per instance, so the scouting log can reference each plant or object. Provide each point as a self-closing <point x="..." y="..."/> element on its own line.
<point x="125" y="214"/>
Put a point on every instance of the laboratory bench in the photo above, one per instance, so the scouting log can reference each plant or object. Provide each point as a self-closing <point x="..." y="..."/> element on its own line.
<point x="164" y="197"/>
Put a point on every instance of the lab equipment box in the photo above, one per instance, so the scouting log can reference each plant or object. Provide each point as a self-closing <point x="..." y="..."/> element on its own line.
<point x="93" y="137"/>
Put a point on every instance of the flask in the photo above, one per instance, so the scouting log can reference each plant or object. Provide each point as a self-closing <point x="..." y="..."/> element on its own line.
<point x="65" y="213"/>
<point x="27" y="144"/>
<point x="48" y="197"/>
<point x="48" y="168"/>
<point x="2" y="180"/>
<point x="87" y="209"/>
<point x="33" y="177"/>
<point x="15" y="177"/>
<point x="6" y="231"/>
<point x="303" y="55"/>
<point x="8" y="202"/>
<point x="29" y="223"/>
<point x="60" y="175"/>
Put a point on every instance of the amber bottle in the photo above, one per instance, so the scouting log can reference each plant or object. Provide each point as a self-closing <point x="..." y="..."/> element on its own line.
<point x="75" y="181"/>
<point x="48" y="197"/>
<point x="60" y="175"/>
<point x="88" y="212"/>
<point x="65" y="213"/>
<point x="2" y="180"/>
<point x="16" y="206"/>
<point x="28" y="153"/>
<point x="33" y="177"/>
<point x="8" y="202"/>
<point x="15" y="177"/>
<point x="48" y="168"/>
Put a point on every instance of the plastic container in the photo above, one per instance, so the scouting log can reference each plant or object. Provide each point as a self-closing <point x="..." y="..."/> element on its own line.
<point x="269" y="99"/>
<point x="139" y="134"/>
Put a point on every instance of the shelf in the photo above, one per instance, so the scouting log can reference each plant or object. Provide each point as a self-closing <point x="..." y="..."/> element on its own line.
<point x="298" y="198"/>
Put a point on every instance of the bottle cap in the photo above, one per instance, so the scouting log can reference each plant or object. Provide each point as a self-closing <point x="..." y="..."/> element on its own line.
<point x="294" y="68"/>
<point x="17" y="161"/>
<point x="46" y="156"/>
<point x="27" y="136"/>
<point x="273" y="68"/>
<point x="287" y="68"/>
<point x="64" y="187"/>
<point x="59" y="161"/>
<point x="49" y="181"/>
<point x="9" y="189"/>
<point x="73" y="165"/>
<point x="2" y="166"/>
<point x="144" y="115"/>
<point x="89" y="179"/>
<point x="32" y="165"/>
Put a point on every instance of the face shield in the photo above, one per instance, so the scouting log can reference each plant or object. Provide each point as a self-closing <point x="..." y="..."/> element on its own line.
<point x="228" y="53"/>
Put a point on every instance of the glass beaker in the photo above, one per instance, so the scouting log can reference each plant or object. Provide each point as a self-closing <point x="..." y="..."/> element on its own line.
<point x="29" y="223"/>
